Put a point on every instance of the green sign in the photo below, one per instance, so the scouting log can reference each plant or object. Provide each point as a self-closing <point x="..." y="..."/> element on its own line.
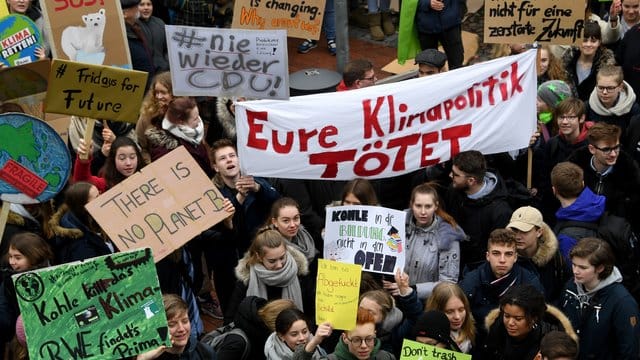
<point x="413" y="350"/>
<point x="109" y="307"/>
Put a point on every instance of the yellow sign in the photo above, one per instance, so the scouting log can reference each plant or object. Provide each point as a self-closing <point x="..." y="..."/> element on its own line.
<point x="413" y="350"/>
<point x="526" y="21"/>
<point x="4" y="10"/>
<point x="95" y="91"/>
<point x="163" y="207"/>
<point x="337" y="293"/>
<point x="301" y="20"/>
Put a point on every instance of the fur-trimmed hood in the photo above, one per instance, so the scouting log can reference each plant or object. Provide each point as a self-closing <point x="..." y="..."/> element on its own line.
<point x="225" y="117"/>
<point x="547" y="247"/>
<point x="160" y="138"/>
<point x="553" y="316"/>
<point x="242" y="269"/>
<point x="60" y="230"/>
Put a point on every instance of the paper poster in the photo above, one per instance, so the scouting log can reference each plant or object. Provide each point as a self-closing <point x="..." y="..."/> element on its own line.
<point x="526" y="22"/>
<point x="108" y="307"/>
<point x="19" y="39"/>
<point x="300" y="19"/>
<point x="370" y="236"/>
<point x="392" y="129"/>
<point x="228" y="62"/>
<point x="162" y="207"/>
<point x="4" y="10"/>
<point x="413" y="350"/>
<point x="95" y="91"/>
<point x="34" y="161"/>
<point x="87" y="31"/>
<point x="337" y="293"/>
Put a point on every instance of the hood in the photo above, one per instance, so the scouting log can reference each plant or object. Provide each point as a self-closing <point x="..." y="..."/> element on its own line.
<point x="242" y="269"/>
<point x="547" y="247"/>
<point x="583" y="133"/>
<point x="247" y="318"/>
<point x="614" y="277"/>
<point x="392" y="320"/>
<point x="64" y="226"/>
<point x="226" y="117"/>
<point x="490" y="183"/>
<point x="626" y="99"/>
<point x="588" y="207"/>
<point x="553" y="316"/>
<point x="446" y="232"/>
<point x="160" y="138"/>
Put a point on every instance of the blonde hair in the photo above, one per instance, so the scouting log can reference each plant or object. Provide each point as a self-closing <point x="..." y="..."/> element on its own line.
<point x="438" y="301"/>
<point x="266" y="238"/>
<point x="270" y="311"/>
<point x="150" y="105"/>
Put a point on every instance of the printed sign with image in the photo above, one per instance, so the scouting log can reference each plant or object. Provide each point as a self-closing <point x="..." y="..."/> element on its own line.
<point x="19" y="39"/>
<point x="95" y="91"/>
<point x="527" y="22"/>
<point x="413" y="350"/>
<point x="228" y="62"/>
<point x="337" y="293"/>
<point x="164" y="206"/>
<point x="108" y="307"/>
<point x="300" y="19"/>
<point x="370" y="236"/>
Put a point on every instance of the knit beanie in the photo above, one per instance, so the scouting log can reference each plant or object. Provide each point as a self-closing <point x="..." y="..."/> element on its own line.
<point x="552" y="92"/>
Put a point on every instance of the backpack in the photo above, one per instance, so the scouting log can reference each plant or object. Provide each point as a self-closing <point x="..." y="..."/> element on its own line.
<point x="616" y="231"/>
<point x="216" y="338"/>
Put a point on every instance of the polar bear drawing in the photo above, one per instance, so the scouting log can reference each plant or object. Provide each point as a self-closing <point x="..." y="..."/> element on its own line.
<point x="85" y="39"/>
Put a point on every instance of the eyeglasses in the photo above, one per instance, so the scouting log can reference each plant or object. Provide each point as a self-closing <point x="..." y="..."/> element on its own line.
<point x="568" y="117"/>
<point x="607" y="88"/>
<point x="370" y="78"/>
<point x="609" y="150"/>
<point x="369" y="340"/>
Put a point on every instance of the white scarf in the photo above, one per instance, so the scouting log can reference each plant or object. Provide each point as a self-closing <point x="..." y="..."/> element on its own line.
<point x="187" y="133"/>
<point x="285" y="278"/>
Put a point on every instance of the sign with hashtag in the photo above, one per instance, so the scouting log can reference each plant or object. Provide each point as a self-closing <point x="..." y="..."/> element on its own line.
<point x="95" y="91"/>
<point x="300" y="19"/>
<point x="228" y="62"/>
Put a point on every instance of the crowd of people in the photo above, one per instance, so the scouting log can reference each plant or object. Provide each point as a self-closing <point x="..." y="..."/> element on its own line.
<point x="493" y="268"/>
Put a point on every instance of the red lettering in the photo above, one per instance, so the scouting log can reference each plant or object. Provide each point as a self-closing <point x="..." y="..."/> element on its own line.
<point x="490" y="83"/>
<point x="402" y="143"/>
<point x="325" y="133"/>
<point x="255" y="129"/>
<point x="282" y="148"/>
<point x="428" y="138"/>
<point x="61" y="7"/>
<point x="331" y="159"/>
<point x="371" y="117"/>
<point x="360" y="165"/>
<point x="515" y="80"/>
<point x="453" y="134"/>
<point x="304" y="138"/>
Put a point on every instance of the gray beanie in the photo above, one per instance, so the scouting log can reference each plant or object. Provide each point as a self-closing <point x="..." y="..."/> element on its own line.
<point x="552" y="92"/>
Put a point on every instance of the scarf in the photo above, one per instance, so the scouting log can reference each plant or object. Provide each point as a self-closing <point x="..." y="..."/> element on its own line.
<point x="501" y="285"/>
<point x="276" y="349"/>
<point x="342" y="350"/>
<point x="187" y="133"/>
<point x="626" y="99"/>
<point x="285" y="278"/>
<point x="304" y="242"/>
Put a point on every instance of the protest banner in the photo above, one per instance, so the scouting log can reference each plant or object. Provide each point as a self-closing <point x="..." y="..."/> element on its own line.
<point x="87" y="31"/>
<point x="162" y="207"/>
<point x="370" y="236"/>
<point x="108" y="307"/>
<point x="526" y="21"/>
<point x="300" y="20"/>
<point x="337" y="293"/>
<point x="228" y="62"/>
<point x="413" y="350"/>
<point x="19" y="39"/>
<point x="95" y="91"/>
<point x="392" y="129"/>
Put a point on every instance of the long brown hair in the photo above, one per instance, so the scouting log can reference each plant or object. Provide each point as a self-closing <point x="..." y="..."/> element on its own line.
<point x="429" y="188"/>
<point x="438" y="301"/>
<point x="150" y="105"/>
<point x="556" y="70"/>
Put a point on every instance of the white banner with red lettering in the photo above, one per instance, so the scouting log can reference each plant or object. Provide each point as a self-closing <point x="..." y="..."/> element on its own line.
<point x="387" y="130"/>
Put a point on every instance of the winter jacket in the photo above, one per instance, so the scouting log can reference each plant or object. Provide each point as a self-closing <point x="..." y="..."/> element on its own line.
<point x="628" y="56"/>
<point x="588" y="207"/>
<point x="479" y="216"/>
<point x="484" y="293"/>
<point x="161" y="142"/>
<point x="15" y="224"/>
<point x="602" y="57"/>
<point x="432" y="253"/>
<point x="619" y="185"/>
<point x="195" y="350"/>
<point x="247" y="319"/>
<point x="73" y="240"/>
<point x="82" y="172"/>
<point x="153" y="29"/>
<point x="430" y="21"/>
<point x="620" y="114"/>
<point x="605" y="318"/>
<point x="342" y="353"/>
<point x="500" y="346"/>
<point x="141" y="54"/>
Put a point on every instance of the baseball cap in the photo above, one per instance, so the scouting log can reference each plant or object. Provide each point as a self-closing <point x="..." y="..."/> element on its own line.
<point x="525" y="218"/>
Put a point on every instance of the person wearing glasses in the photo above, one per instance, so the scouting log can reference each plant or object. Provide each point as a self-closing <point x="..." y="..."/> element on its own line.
<point x="357" y="74"/>
<point x="610" y="172"/>
<point x="613" y="101"/>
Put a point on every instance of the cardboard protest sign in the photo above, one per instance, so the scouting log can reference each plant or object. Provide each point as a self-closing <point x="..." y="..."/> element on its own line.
<point x="413" y="350"/>
<point x="300" y="20"/>
<point x="30" y="95"/>
<point x="337" y="293"/>
<point x="228" y="62"/>
<point x="370" y="236"/>
<point x="19" y="39"/>
<point x="87" y="31"/>
<point x="392" y="129"/>
<point x="525" y="21"/>
<point x="108" y="307"/>
<point x="34" y="161"/>
<point x="163" y="207"/>
<point x="95" y="91"/>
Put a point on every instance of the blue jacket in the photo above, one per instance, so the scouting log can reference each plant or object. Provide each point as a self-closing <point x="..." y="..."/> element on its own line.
<point x="73" y="240"/>
<point x="606" y="319"/>
<point x="588" y="207"/>
<point x="429" y="21"/>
